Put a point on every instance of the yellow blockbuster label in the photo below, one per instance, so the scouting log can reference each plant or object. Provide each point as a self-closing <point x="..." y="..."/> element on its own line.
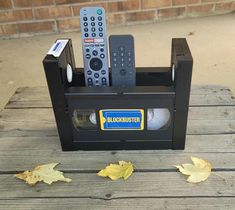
<point x="121" y="119"/>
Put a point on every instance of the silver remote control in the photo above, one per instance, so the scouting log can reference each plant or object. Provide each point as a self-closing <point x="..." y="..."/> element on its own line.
<point x="94" y="45"/>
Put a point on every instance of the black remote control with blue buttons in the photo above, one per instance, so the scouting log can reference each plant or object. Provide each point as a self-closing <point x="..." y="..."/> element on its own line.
<point x="94" y="45"/>
<point x="122" y="60"/>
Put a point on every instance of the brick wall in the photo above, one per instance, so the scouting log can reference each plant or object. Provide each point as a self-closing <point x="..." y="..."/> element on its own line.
<point x="30" y="17"/>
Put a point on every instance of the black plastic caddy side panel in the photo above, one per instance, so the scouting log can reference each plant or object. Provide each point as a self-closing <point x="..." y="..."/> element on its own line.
<point x="182" y="62"/>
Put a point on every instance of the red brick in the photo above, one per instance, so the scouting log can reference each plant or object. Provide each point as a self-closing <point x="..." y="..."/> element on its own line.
<point x="16" y="15"/>
<point x="115" y="19"/>
<point x="184" y="2"/>
<point x="9" y="29"/>
<point x="68" y="24"/>
<point x="123" y="5"/>
<point x="210" y="1"/>
<point x="155" y="3"/>
<point x="37" y="27"/>
<point x="32" y="3"/>
<point x="5" y="4"/>
<point x="52" y="12"/>
<point x="200" y="10"/>
<point x="140" y="16"/>
<point x="76" y="9"/>
<point x="171" y="12"/>
<point x="71" y="1"/>
<point x="226" y="6"/>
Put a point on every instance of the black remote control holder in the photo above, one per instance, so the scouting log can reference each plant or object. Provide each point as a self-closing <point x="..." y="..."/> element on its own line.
<point x="165" y="88"/>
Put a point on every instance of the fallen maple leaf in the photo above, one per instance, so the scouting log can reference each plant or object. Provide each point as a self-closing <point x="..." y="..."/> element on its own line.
<point x="45" y="173"/>
<point x="116" y="171"/>
<point x="199" y="171"/>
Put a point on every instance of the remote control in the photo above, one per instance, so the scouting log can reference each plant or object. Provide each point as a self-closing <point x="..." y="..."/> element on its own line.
<point x="122" y="60"/>
<point x="94" y="45"/>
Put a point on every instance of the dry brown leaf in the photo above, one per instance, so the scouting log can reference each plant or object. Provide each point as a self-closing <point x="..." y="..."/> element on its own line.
<point x="199" y="171"/>
<point x="45" y="173"/>
<point x="115" y="171"/>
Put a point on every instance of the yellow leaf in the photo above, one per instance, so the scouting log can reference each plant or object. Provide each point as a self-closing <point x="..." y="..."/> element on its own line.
<point x="198" y="171"/>
<point x="45" y="173"/>
<point x="115" y="171"/>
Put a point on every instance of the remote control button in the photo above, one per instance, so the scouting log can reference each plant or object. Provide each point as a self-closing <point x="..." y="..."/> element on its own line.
<point x="85" y="29"/>
<point x="122" y="60"/>
<point x="100" y="29"/>
<point x="101" y="49"/>
<point x="100" y="23"/>
<point x="92" y="18"/>
<point x="86" y="34"/>
<point x="121" y="48"/>
<point x="85" y="24"/>
<point x="87" y="50"/>
<point x="88" y="56"/>
<point x="89" y="81"/>
<point x="92" y="45"/>
<point x="102" y="45"/>
<point x="93" y="34"/>
<point x="95" y="53"/>
<point x="99" y="18"/>
<point x="123" y="72"/>
<point x="85" y="18"/>
<point x="114" y="54"/>
<point x="101" y="34"/>
<point x="121" y="54"/>
<point x="89" y="72"/>
<point x="92" y="24"/>
<point x="97" y="45"/>
<point x="99" y="11"/>
<point x="115" y="59"/>
<point x="129" y="53"/>
<point x="103" y="72"/>
<point x="93" y="29"/>
<point x="96" y="64"/>
<point x="96" y="75"/>
<point x="104" y="81"/>
<point x="102" y="55"/>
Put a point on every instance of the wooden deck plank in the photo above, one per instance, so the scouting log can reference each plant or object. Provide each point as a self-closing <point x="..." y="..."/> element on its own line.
<point x="27" y="97"/>
<point x="121" y="203"/>
<point x="41" y="122"/>
<point x="194" y="144"/>
<point x="148" y="184"/>
<point x="94" y="161"/>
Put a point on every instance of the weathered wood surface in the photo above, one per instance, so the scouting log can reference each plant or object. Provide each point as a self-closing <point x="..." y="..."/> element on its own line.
<point x="34" y="97"/>
<point x="194" y="203"/>
<point x="92" y="162"/>
<point x="41" y="122"/>
<point x="28" y="137"/>
<point x="140" y="184"/>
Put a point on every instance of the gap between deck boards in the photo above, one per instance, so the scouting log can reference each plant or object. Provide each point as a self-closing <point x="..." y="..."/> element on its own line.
<point x="135" y="171"/>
